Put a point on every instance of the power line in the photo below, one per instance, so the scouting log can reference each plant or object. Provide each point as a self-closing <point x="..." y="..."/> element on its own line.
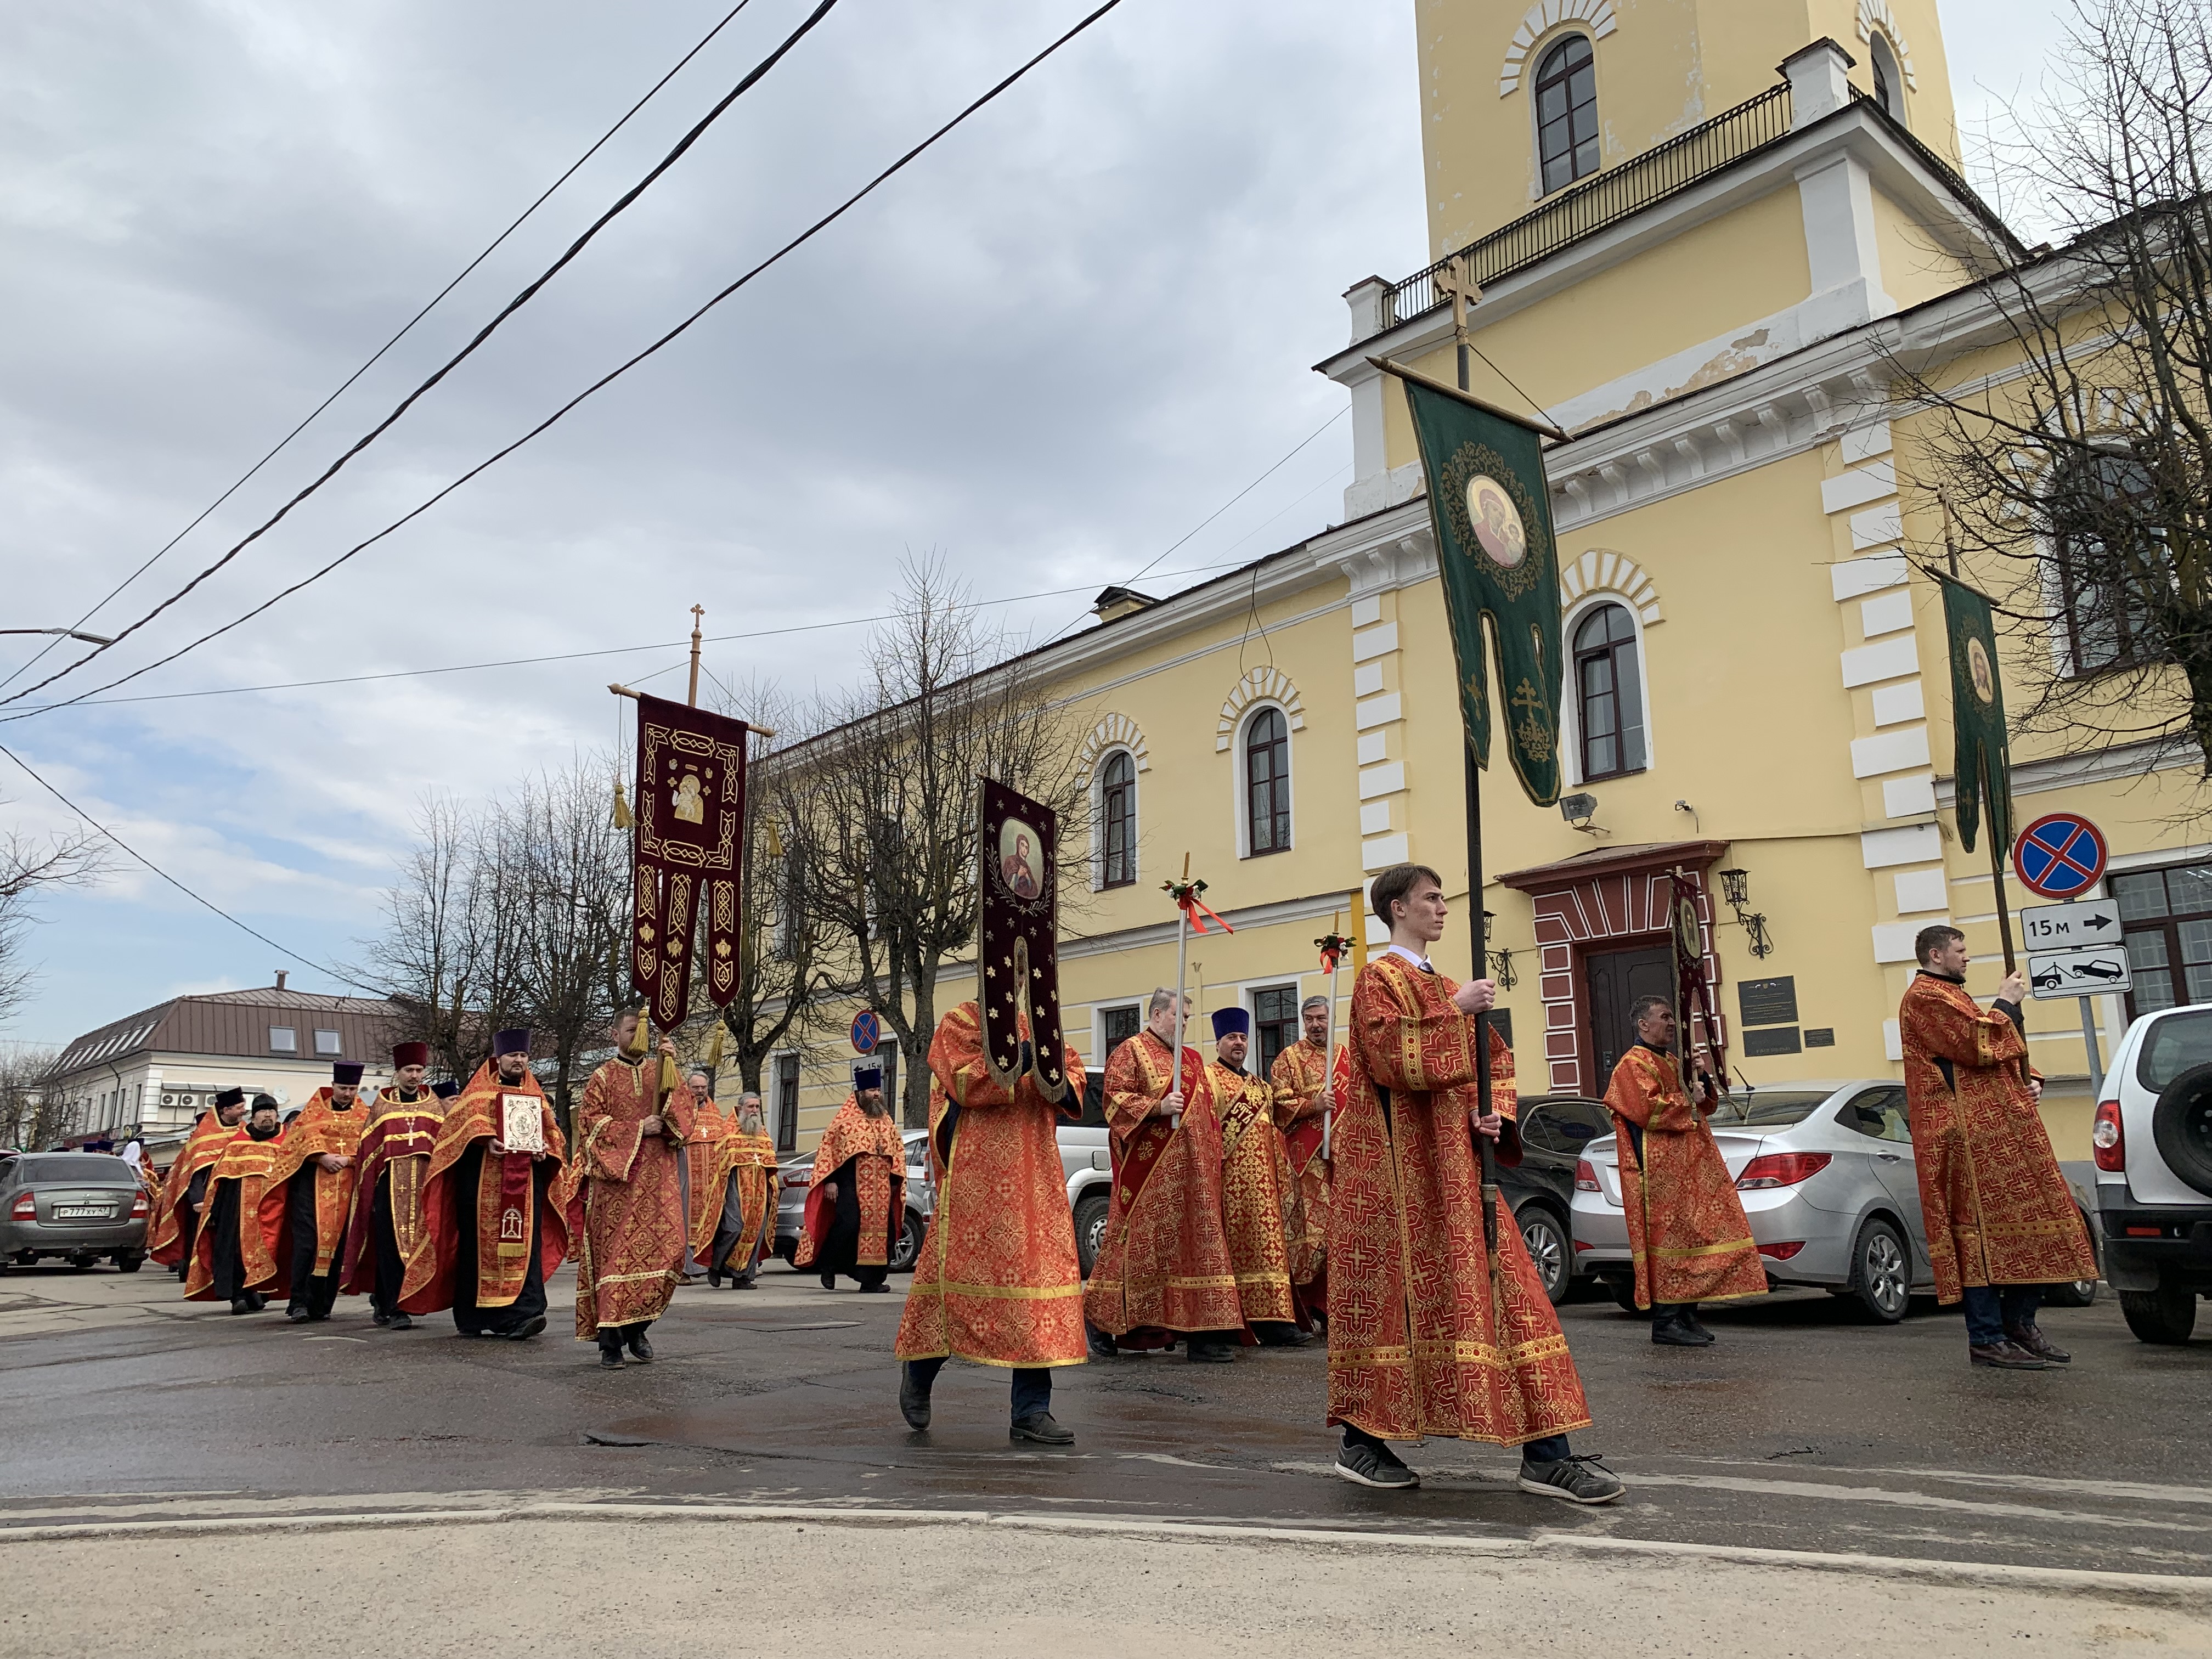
<point x="378" y="355"/>
<point x="530" y="292"/>
<point x="604" y="380"/>
<point x="24" y="767"/>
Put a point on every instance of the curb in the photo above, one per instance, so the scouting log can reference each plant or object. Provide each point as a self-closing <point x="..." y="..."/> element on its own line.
<point x="2169" y="1590"/>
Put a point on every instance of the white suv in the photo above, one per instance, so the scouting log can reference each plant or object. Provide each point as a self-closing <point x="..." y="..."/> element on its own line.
<point x="2152" y="1138"/>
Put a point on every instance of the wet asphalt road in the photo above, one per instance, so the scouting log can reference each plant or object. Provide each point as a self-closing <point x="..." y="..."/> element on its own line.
<point x="1805" y="1428"/>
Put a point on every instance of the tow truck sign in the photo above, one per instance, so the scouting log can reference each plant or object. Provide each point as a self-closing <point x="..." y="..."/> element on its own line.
<point x="2093" y="972"/>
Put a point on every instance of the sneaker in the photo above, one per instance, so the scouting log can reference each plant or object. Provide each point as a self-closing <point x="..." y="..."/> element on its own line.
<point x="1581" y="1480"/>
<point x="528" y="1328"/>
<point x="1368" y="1464"/>
<point x="914" y="1401"/>
<point x="2005" y="1356"/>
<point x="2033" y="1340"/>
<point x="1042" y="1429"/>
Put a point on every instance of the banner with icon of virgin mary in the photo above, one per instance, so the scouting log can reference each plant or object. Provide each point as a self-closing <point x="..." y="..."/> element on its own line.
<point x="1017" y="960"/>
<point x="688" y="839"/>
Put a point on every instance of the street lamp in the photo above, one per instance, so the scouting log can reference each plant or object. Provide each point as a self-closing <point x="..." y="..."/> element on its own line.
<point x="65" y="633"/>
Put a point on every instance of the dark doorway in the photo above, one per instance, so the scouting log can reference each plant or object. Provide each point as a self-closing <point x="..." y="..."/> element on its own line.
<point x="1616" y="979"/>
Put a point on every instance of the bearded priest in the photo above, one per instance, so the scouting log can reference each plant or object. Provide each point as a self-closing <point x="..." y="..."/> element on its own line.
<point x="184" y="1194"/>
<point x="1301" y="1078"/>
<point x="627" y="1208"/>
<point x="316" y="1163"/>
<point x="491" y="1237"/>
<point x="242" y="1255"/>
<point x="856" y="1201"/>
<point x="1261" y="1215"/>
<point x="387" y="1212"/>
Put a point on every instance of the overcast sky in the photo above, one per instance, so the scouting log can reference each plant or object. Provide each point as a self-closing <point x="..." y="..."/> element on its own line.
<point x="1045" y="353"/>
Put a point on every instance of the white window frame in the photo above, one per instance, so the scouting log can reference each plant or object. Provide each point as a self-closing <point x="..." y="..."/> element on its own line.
<point x="1571" y="701"/>
<point x="1240" y="753"/>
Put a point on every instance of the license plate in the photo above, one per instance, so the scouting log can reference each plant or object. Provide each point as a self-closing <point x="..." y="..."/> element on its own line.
<point x="83" y="1212"/>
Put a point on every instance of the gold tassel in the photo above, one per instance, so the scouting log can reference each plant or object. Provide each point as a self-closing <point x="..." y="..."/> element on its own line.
<point x="640" y="1041"/>
<point x="775" y="841"/>
<point x="622" y="818"/>
<point x="715" y="1044"/>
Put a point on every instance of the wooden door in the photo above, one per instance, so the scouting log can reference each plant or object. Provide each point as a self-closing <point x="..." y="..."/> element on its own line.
<point x="1616" y="979"/>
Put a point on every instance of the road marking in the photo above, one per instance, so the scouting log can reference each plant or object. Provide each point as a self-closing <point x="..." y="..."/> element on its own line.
<point x="1917" y="1500"/>
<point x="333" y="1339"/>
<point x="2131" y="1491"/>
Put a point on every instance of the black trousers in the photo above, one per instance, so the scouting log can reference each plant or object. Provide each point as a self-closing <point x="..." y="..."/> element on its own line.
<point x="317" y="1292"/>
<point x="229" y="1262"/>
<point x="530" y="1303"/>
<point x="841" y="1253"/>
<point x="384" y="1294"/>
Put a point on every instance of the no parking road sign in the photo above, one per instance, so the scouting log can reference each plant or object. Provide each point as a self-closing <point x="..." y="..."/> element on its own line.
<point x="2061" y="855"/>
<point x="867" y="1031"/>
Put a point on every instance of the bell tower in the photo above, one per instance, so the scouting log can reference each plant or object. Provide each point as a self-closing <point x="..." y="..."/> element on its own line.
<point x="1522" y="100"/>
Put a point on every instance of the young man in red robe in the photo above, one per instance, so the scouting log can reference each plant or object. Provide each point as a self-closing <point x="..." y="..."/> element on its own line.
<point x="316" y="1163"/>
<point x="627" y="1205"/>
<point x="175" y="1226"/>
<point x="1427" y="1333"/>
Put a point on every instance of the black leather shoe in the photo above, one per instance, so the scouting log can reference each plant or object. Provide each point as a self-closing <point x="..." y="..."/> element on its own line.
<point x="297" y="1314"/>
<point x="1282" y="1336"/>
<point x="745" y="1281"/>
<point x="610" y="1357"/>
<point x="829" y="1281"/>
<point x="2028" y="1337"/>
<point x="1210" y="1353"/>
<point x="2004" y="1357"/>
<point x="240" y="1304"/>
<point x="713" y="1279"/>
<point x="1101" y="1344"/>
<point x="636" y="1342"/>
<point x="1695" y="1326"/>
<point x="255" y="1302"/>
<point x="914" y="1400"/>
<point x="400" y="1321"/>
<point x="379" y="1318"/>
<point x="877" y="1289"/>
<point x="529" y="1328"/>
<point x="1672" y="1333"/>
<point x="1043" y="1430"/>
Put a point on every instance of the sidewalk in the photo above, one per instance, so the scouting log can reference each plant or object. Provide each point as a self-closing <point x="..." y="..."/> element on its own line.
<point x="796" y="1583"/>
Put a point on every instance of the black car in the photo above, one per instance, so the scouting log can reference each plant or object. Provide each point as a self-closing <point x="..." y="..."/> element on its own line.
<point x="1555" y="1129"/>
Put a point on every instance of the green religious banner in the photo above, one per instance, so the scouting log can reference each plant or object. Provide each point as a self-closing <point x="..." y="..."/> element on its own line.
<point x="1493" y="522"/>
<point x="1982" y="759"/>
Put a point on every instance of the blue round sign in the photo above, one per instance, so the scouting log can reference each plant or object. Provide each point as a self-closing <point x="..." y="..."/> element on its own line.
<point x="867" y="1031"/>
<point x="2059" y="856"/>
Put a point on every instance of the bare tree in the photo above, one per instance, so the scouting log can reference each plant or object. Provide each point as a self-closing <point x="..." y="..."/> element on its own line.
<point x="888" y="788"/>
<point x="2071" y="437"/>
<point x="29" y="865"/>
<point x="32" y="1115"/>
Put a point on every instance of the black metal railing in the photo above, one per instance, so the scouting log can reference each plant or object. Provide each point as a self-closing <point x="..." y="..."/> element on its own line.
<point x="1588" y="208"/>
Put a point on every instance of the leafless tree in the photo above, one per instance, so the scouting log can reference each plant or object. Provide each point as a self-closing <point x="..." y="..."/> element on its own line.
<point x="888" y="787"/>
<point x="32" y="1115"/>
<point x="2071" y="438"/>
<point x="29" y="865"/>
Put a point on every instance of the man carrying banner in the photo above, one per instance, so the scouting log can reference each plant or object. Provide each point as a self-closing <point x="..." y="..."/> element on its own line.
<point x="730" y="1240"/>
<point x="316" y="1162"/>
<point x="387" y="1212"/>
<point x="1687" y="1228"/>
<point x="184" y="1193"/>
<point x="242" y="1255"/>
<point x="490" y="1239"/>
<point x="627" y="1209"/>
<point x="1301" y="1079"/>
<point x="1259" y="1214"/>
<point x="856" y="1201"/>
<point x="1164" y="1269"/>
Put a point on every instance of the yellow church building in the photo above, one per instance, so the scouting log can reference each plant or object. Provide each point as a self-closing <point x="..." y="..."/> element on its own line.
<point x="1698" y="227"/>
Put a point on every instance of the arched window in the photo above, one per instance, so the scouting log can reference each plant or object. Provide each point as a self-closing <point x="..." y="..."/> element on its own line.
<point x="1608" y="694"/>
<point x="1268" y="782"/>
<point x="1566" y="112"/>
<point x="1117" y="820"/>
<point x="2108" y="560"/>
<point x="1888" y="80"/>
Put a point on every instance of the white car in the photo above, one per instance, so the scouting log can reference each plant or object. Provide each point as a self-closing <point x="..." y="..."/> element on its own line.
<point x="2153" y="1145"/>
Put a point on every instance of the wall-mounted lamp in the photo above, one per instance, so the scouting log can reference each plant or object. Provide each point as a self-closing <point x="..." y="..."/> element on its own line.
<point x="1578" y="810"/>
<point x="1489" y="921"/>
<point x="1736" y="888"/>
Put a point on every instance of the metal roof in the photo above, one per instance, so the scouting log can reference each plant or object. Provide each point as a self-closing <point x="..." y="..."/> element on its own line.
<point x="237" y="1023"/>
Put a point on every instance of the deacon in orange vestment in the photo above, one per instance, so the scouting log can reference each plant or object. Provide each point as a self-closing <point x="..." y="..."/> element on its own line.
<point x="1687" y="1228"/>
<point x="1996" y="1208"/>
<point x="1260" y="1216"/>
<point x="702" y="1191"/>
<point x="242" y="1254"/>
<point x="627" y="1206"/>
<point x="177" y="1212"/>
<point x="1299" y="1073"/>
<point x="1425" y="1336"/>
<point x="1164" y="1269"/>
<point x="387" y="1211"/>
<point x="731" y="1238"/>
<point x="997" y="1281"/>
<point x="856" y="1201"/>
<point x="490" y="1236"/>
<point x="316" y="1162"/>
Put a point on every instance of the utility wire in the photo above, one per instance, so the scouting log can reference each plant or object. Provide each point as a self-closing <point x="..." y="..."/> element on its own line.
<point x="375" y="357"/>
<point x="520" y="300"/>
<point x="207" y="903"/>
<point x="604" y="380"/>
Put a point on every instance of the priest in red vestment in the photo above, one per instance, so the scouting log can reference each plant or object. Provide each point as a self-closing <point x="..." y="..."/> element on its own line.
<point x="2001" y="1222"/>
<point x="175" y="1225"/>
<point x="242" y="1254"/>
<point x="1261" y="1215"/>
<point x="998" y="1281"/>
<point x="626" y="1208"/>
<point x="387" y="1211"/>
<point x="731" y="1236"/>
<point x="1164" y="1269"/>
<point x="492" y="1237"/>
<point x="1426" y="1333"/>
<point x="1687" y="1228"/>
<point x="1300" y="1076"/>
<point x="856" y="1200"/>
<point x="316" y="1163"/>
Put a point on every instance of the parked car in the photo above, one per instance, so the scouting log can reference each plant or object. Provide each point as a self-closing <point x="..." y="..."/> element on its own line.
<point x="79" y="1207"/>
<point x="796" y="1177"/>
<point x="1828" y="1182"/>
<point x="2152" y="1140"/>
<point x="1554" y="1131"/>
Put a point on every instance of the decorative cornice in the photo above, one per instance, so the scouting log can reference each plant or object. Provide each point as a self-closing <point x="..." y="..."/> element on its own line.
<point x="1267" y="684"/>
<point x="1549" y="15"/>
<point x="1115" y="732"/>
<point x="1602" y="570"/>
<point x="2037" y="777"/>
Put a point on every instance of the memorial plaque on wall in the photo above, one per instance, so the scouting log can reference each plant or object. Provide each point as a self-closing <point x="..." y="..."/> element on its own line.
<point x="1768" y="1001"/>
<point x="1774" y="1040"/>
<point x="1820" y="1036"/>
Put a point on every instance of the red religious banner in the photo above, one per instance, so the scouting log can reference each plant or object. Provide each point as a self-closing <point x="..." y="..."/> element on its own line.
<point x="690" y="837"/>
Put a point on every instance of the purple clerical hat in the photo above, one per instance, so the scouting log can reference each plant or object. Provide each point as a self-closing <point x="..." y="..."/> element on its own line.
<point x="516" y="1042"/>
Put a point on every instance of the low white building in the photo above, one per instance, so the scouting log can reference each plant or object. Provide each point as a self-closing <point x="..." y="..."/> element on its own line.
<point x="156" y="1070"/>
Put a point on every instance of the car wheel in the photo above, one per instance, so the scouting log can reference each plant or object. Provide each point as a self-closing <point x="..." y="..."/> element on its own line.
<point x="1089" y="1229"/>
<point x="1549" y="1249"/>
<point x="909" y="1244"/>
<point x="1623" y="1292"/>
<point x="2079" y="1292"/>
<point x="130" y="1261"/>
<point x="2181" y="1126"/>
<point x="1881" y="1272"/>
<point x="2166" y="1315"/>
